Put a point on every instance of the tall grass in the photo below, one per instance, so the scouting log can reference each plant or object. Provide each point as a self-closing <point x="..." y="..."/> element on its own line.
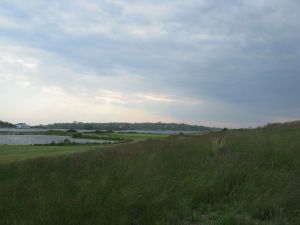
<point x="233" y="177"/>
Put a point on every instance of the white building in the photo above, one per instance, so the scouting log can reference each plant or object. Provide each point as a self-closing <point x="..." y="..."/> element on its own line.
<point x="22" y="126"/>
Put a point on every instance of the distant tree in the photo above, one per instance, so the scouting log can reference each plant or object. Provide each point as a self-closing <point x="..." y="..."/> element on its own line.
<point x="6" y="124"/>
<point x="128" y="126"/>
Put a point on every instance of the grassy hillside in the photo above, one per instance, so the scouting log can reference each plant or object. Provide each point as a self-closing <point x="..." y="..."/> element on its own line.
<point x="227" y="178"/>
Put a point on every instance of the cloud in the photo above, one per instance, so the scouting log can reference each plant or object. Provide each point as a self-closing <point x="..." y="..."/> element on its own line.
<point x="232" y="62"/>
<point x="61" y="92"/>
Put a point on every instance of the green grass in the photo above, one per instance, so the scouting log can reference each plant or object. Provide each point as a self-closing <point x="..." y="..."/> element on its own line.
<point x="136" y="136"/>
<point x="243" y="177"/>
<point x="119" y="136"/>
<point x="10" y="153"/>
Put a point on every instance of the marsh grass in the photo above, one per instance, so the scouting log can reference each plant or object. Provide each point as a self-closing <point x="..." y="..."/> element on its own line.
<point x="187" y="181"/>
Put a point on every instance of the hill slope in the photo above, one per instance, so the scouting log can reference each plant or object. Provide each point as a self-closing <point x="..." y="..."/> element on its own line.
<point x="237" y="178"/>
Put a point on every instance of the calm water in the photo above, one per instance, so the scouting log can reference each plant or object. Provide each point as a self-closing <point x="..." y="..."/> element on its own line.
<point x="14" y="130"/>
<point x="43" y="139"/>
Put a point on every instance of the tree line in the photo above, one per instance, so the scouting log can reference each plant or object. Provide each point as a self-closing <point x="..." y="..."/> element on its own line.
<point x="4" y="124"/>
<point x="127" y="126"/>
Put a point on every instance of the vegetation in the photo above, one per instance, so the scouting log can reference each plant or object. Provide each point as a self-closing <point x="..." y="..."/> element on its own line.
<point x="9" y="153"/>
<point x="240" y="177"/>
<point x="127" y="126"/>
<point x="6" y="124"/>
<point x="105" y="135"/>
<point x="119" y="136"/>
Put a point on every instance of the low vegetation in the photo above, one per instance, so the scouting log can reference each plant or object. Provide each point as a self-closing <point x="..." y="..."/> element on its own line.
<point x="10" y="153"/>
<point x="240" y="177"/>
<point x="106" y="135"/>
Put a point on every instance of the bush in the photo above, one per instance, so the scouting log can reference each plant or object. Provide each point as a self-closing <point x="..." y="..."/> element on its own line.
<point x="72" y="131"/>
<point x="77" y="135"/>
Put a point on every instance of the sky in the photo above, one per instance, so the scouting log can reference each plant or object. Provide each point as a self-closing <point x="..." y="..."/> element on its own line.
<point x="225" y="63"/>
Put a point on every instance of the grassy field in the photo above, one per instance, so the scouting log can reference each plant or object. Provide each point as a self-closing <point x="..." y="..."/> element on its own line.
<point x="9" y="153"/>
<point x="125" y="136"/>
<point x="242" y="177"/>
<point x="139" y="136"/>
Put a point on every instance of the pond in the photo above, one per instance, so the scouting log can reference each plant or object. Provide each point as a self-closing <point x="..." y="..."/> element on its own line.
<point x="32" y="130"/>
<point x="43" y="139"/>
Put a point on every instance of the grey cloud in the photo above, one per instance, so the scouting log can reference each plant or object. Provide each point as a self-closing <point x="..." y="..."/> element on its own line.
<point x="241" y="55"/>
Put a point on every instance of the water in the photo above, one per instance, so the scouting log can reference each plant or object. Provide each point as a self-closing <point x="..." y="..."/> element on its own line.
<point x="32" y="130"/>
<point x="43" y="139"/>
<point x="14" y="130"/>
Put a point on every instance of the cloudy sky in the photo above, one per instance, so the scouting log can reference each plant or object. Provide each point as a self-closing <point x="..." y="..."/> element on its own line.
<point x="232" y="63"/>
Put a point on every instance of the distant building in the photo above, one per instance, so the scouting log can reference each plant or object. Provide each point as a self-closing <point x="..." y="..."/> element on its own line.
<point x="22" y="126"/>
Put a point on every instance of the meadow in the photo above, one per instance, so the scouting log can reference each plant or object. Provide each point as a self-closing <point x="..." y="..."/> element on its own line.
<point x="10" y="153"/>
<point x="238" y="177"/>
<point x="120" y="136"/>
